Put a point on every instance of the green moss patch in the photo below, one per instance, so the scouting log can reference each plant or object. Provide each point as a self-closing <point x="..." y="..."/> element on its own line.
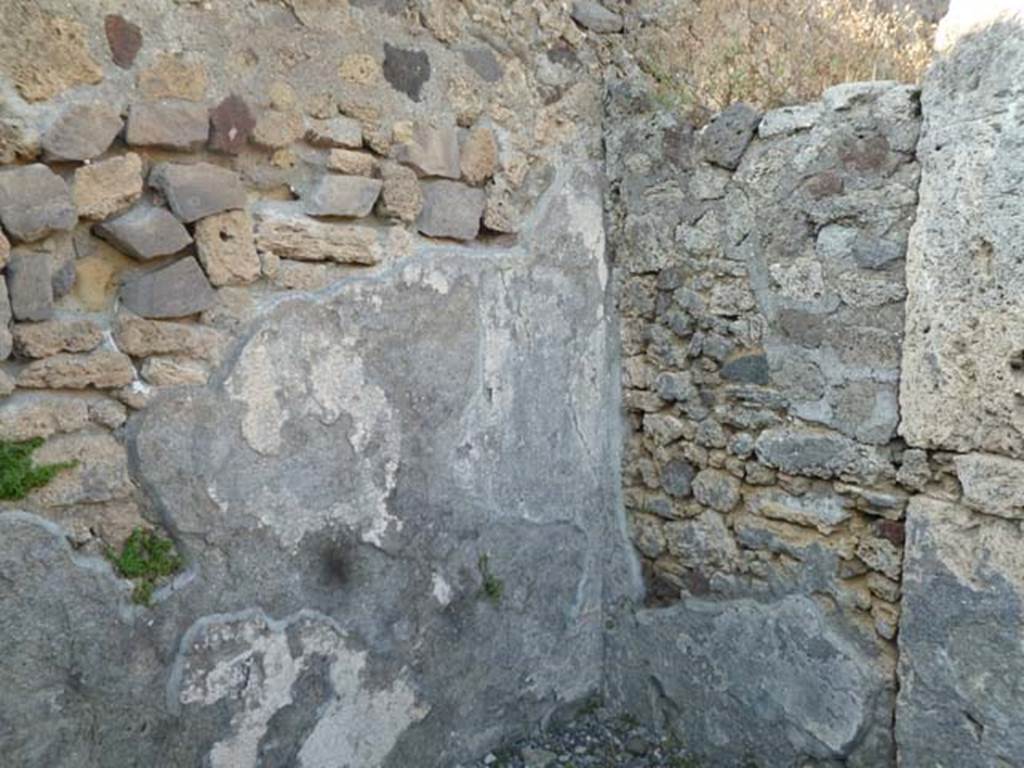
<point x="18" y="476"/>
<point x="147" y="558"/>
<point x="491" y="587"/>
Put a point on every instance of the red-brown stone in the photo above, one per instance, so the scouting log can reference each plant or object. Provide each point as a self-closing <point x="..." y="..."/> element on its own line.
<point x="124" y="38"/>
<point x="232" y="123"/>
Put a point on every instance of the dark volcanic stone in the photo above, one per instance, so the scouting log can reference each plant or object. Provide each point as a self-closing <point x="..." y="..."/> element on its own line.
<point x="124" y="39"/>
<point x="176" y="290"/>
<point x="749" y="369"/>
<point x="407" y="71"/>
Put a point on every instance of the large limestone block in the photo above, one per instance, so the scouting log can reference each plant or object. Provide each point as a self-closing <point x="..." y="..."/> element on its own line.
<point x="961" y="702"/>
<point x="963" y="367"/>
<point x="289" y="234"/>
<point x="752" y="682"/>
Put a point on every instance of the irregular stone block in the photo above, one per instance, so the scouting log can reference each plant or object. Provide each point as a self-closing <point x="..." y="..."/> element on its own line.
<point x="407" y="71"/>
<point x="788" y="120"/>
<point x="484" y="63"/>
<point x="6" y="339"/>
<point x="822" y="511"/>
<point x="991" y="484"/>
<point x="960" y="639"/>
<point x="275" y="129"/>
<point x="82" y="132"/>
<point x="29" y="284"/>
<point x="812" y="452"/>
<point x="595" y="17"/>
<point x="716" y="489"/>
<point x="145" y="232"/>
<point x="29" y="415"/>
<point x="479" y="156"/>
<point x="226" y="249"/>
<point x="350" y="196"/>
<point x="175" y="290"/>
<point x="124" y="39"/>
<point x="99" y="474"/>
<point x="231" y="125"/>
<point x="724" y="140"/>
<point x="139" y="337"/>
<point x="450" y="209"/>
<point x="803" y="687"/>
<point x="181" y="125"/>
<point x="703" y="542"/>
<point x="103" y="369"/>
<point x="962" y="358"/>
<point x="677" y="477"/>
<point x="199" y="190"/>
<point x="352" y="163"/>
<point x="107" y="187"/>
<point x="292" y="235"/>
<point x="173" y="77"/>
<point x="5" y="250"/>
<point x="174" y="372"/>
<point x="335" y="132"/>
<point x="432" y="151"/>
<point x="400" y="197"/>
<point x="53" y="336"/>
<point x="34" y="201"/>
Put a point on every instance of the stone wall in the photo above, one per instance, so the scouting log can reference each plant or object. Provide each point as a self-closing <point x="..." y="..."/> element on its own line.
<point x="318" y="291"/>
<point x="819" y="470"/>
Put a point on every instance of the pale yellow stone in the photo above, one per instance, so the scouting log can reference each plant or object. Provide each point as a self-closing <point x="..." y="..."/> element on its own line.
<point x="278" y="129"/>
<point x="174" y="371"/>
<point x="351" y="162"/>
<point x="226" y="248"/>
<point x="50" y="337"/>
<point x="98" y="276"/>
<point x="360" y="69"/>
<point x="479" y="157"/>
<point x="139" y="337"/>
<point x="102" y="369"/>
<point x="173" y="77"/>
<point x="108" y="187"/>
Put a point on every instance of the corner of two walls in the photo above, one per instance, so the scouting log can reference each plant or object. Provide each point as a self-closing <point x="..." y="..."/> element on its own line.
<point x="820" y="471"/>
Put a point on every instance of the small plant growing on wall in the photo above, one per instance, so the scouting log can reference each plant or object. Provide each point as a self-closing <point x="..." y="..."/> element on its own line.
<point x="18" y="476"/>
<point x="146" y="558"/>
<point x="491" y="587"/>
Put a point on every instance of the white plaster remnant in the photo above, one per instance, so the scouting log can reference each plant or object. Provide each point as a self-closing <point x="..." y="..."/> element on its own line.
<point x="442" y="590"/>
<point x="248" y="661"/>
<point x="317" y="373"/>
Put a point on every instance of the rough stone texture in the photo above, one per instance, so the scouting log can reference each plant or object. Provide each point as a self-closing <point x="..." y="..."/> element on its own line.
<point x="107" y="187"/>
<point x="199" y="190"/>
<point x="174" y="290"/>
<point x="274" y="129"/>
<point x="231" y="125"/>
<point x="29" y="283"/>
<point x="6" y="339"/>
<point x="726" y="675"/>
<point x="53" y="336"/>
<point x="450" y="210"/>
<point x="139" y="337"/>
<point x="174" y="371"/>
<point x="82" y="132"/>
<point x="289" y="234"/>
<point x="960" y="700"/>
<point x="44" y="53"/>
<point x="352" y="163"/>
<point x="226" y="249"/>
<point x="169" y="124"/>
<point x="34" y="201"/>
<point x="479" y="156"/>
<point x="596" y="17"/>
<point x="124" y="39"/>
<point x="962" y="361"/>
<point x="145" y="232"/>
<point x="337" y="195"/>
<point x="103" y="369"/>
<point x="173" y="76"/>
<point x="400" y="196"/>
<point x="432" y="151"/>
<point x="406" y="70"/>
<point x="725" y="138"/>
<point x="335" y="132"/>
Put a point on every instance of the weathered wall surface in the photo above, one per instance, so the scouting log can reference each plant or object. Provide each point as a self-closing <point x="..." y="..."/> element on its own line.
<point x="962" y="631"/>
<point x="760" y="270"/>
<point x="820" y="363"/>
<point x="319" y="291"/>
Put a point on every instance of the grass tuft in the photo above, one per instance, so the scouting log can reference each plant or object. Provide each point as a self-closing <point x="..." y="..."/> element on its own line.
<point x="18" y="477"/>
<point x="146" y="558"/>
<point x="491" y="587"/>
